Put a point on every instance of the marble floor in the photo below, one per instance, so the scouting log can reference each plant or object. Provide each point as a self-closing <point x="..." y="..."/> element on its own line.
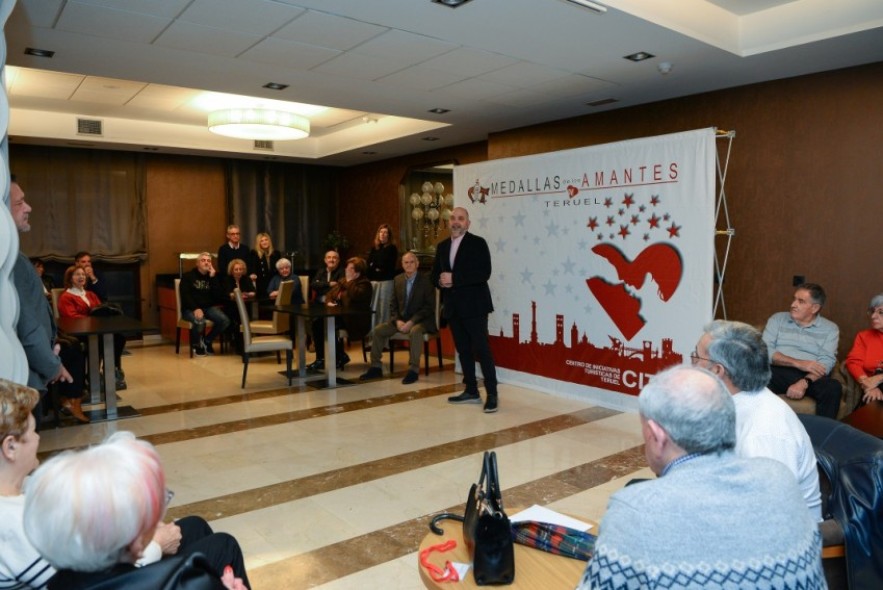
<point x="333" y="489"/>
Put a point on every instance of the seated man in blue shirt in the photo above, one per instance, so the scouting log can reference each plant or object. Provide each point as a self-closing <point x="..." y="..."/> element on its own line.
<point x="803" y="350"/>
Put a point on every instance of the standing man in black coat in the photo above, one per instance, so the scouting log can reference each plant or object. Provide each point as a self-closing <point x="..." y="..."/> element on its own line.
<point x="461" y="270"/>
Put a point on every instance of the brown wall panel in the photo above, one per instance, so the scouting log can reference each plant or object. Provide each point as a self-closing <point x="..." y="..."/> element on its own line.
<point x="186" y="212"/>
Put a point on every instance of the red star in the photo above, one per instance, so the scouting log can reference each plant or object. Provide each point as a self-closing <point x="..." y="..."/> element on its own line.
<point x="608" y="202"/>
<point x="624" y="231"/>
<point x="628" y="201"/>
<point x="593" y="223"/>
<point x="610" y="220"/>
<point x="621" y="212"/>
<point x="600" y="236"/>
<point x="642" y="208"/>
<point x="653" y="221"/>
<point x="635" y="220"/>
<point x="654" y="200"/>
<point x="646" y="237"/>
<point x="674" y="230"/>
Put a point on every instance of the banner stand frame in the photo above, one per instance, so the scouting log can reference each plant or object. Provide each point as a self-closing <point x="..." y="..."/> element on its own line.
<point x="722" y="224"/>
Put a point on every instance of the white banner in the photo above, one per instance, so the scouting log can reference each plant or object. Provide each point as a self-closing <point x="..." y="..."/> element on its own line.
<point x="602" y="260"/>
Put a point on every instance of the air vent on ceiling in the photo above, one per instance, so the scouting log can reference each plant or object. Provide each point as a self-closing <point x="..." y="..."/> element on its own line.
<point x="263" y="144"/>
<point x="88" y="127"/>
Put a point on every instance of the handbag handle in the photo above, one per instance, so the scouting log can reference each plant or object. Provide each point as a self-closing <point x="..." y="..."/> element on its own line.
<point x="494" y="493"/>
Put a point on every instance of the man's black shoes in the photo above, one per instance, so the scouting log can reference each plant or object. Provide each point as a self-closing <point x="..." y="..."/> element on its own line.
<point x="410" y="377"/>
<point x="467" y="397"/>
<point x="371" y="373"/>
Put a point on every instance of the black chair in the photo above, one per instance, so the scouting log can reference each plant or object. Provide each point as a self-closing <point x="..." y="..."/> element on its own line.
<point x="852" y="463"/>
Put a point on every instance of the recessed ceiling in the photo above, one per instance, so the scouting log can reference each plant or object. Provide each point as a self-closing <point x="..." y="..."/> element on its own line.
<point x="495" y="64"/>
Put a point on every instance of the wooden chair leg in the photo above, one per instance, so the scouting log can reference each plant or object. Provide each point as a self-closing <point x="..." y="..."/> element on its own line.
<point x="177" y="340"/>
<point x="392" y="357"/>
<point x="439" y="352"/>
<point x="426" y="357"/>
<point x="244" y="368"/>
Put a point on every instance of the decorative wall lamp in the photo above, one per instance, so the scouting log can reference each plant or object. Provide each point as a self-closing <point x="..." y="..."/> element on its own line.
<point x="429" y="210"/>
<point x="258" y="123"/>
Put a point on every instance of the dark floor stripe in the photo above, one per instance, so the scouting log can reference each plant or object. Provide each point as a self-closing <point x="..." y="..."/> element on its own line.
<point x="270" y="420"/>
<point x="335" y="561"/>
<point x="287" y="491"/>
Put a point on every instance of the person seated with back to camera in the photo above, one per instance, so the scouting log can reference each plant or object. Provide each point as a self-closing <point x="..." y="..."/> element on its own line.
<point x="765" y="425"/>
<point x="283" y="273"/>
<point x="236" y="278"/>
<point x="77" y="302"/>
<point x="354" y="292"/>
<point x="865" y="359"/>
<point x="710" y="519"/>
<point x="103" y="539"/>
<point x="21" y="565"/>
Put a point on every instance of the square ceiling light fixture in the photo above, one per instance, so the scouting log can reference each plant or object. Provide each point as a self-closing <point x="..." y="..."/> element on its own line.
<point x="451" y="3"/>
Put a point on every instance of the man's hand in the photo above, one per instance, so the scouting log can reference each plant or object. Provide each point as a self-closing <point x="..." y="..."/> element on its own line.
<point x="404" y="327"/>
<point x="814" y="368"/>
<point x="797" y="390"/>
<point x="168" y="537"/>
<point x="446" y="280"/>
<point x="90" y="273"/>
<point x="198" y="314"/>
<point x="62" y="375"/>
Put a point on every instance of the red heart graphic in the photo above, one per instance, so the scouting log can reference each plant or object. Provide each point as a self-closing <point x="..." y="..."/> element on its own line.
<point x="572" y="191"/>
<point x="661" y="261"/>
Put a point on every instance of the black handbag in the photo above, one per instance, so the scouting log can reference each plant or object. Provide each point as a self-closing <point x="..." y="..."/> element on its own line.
<point x="486" y="528"/>
<point x="106" y="310"/>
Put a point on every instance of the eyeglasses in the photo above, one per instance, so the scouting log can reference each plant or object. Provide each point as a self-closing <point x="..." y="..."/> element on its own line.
<point x="876" y="311"/>
<point x="695" y="358"/>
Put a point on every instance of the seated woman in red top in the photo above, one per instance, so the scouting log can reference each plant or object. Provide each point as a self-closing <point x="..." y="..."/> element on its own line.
<point x="76" y="302"/>
<point x="865" y="361"/>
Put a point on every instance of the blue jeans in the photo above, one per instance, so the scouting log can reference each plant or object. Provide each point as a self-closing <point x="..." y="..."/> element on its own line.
<point x="216" y="315"/>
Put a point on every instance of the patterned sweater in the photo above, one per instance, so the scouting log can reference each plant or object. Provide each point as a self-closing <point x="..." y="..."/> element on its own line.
<point x="716" y="521"/>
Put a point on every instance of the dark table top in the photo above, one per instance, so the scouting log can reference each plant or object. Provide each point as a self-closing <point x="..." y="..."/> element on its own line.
<point x="868" y="418"/>
<point x="103" y="325"/>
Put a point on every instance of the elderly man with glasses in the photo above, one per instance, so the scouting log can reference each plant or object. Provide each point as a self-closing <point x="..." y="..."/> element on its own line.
<point x="765" y="425"/>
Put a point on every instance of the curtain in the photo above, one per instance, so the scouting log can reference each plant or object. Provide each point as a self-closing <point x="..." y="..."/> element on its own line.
<point x="293" y="203"/>
<point x="83" y="200"/>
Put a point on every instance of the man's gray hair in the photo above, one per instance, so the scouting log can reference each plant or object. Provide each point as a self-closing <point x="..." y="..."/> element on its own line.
<point x="876" y="301"/>
<point x="693" y="407"/>
<point x="741" y="351"/>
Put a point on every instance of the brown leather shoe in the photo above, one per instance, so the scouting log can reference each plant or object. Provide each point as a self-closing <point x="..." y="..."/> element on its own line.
<point x="75" y="407"/>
